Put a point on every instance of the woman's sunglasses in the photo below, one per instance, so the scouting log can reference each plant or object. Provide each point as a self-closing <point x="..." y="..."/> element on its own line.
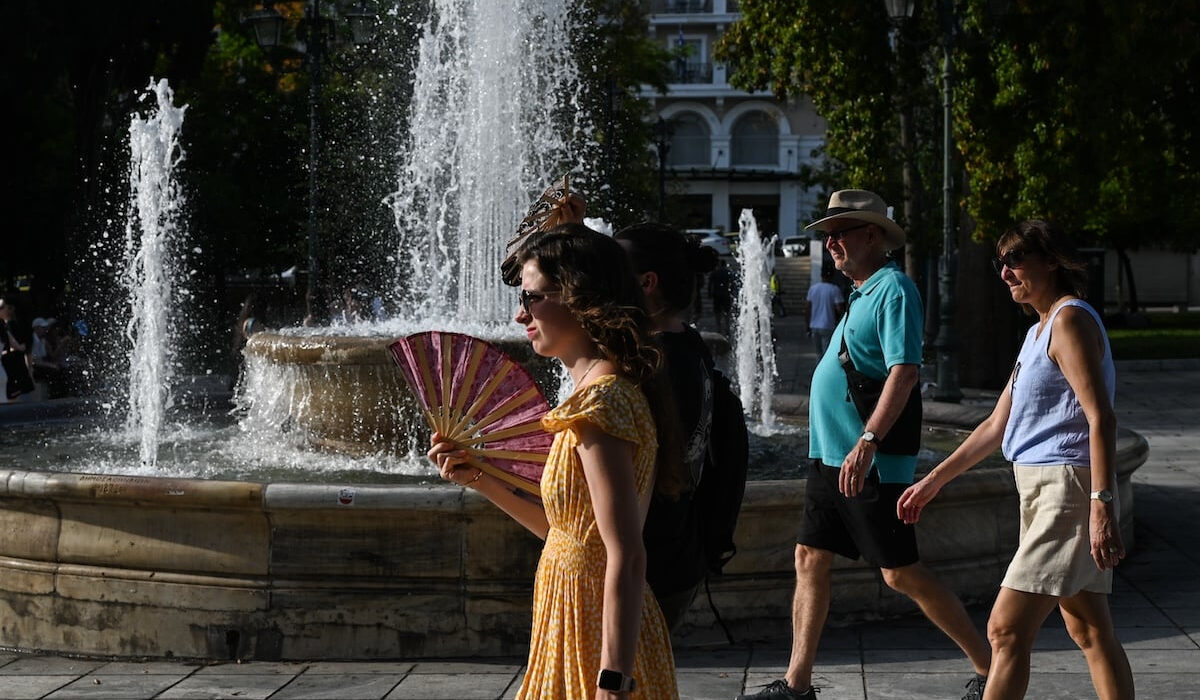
<point x="1013" y="260"/>
<point x="528" y="298"/>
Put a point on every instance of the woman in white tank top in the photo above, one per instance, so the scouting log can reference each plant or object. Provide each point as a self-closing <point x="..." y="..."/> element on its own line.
<point x="1055" y="421"/>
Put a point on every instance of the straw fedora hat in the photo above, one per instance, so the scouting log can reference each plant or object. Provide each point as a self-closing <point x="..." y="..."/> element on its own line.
<point x="861" y="205"/>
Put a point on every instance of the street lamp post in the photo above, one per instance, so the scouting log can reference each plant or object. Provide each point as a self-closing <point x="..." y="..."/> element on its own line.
<point x="662" y="143"/>
<point x="318" y="33"/>
<point x="946" y="342"/>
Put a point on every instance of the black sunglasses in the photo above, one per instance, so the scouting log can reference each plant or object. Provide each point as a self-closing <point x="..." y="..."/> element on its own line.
<point x="1013" y="260"/>
<point x="837" y="236"/>
<point x="528" y="298"/>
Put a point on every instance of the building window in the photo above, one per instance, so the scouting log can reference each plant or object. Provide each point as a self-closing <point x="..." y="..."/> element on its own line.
<point x="690" y="64"/>
<point x="689" y="141"/>
<point x="755" y="140"/>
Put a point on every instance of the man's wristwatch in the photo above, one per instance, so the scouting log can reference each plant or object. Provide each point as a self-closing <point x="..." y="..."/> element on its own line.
<point x="1104" y="496"/>
<point x="615" y="681"/>
<point x="870" y="437"/>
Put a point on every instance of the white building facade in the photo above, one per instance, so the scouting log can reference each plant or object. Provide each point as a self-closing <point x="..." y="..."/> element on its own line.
<point x="730" y="149"/>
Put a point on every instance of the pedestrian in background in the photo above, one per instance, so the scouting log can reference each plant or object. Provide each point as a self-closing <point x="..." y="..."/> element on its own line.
<point x="1056" y="424"/>
<point x="722" y="289"/>
<point x="862" y="463"/>
<point x="13" y="354"/>
<point x="823" y="309"/>
<point x="666" y="264"/>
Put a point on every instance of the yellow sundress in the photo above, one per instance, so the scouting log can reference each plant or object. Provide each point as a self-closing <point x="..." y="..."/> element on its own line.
<point x="568" y="599"/>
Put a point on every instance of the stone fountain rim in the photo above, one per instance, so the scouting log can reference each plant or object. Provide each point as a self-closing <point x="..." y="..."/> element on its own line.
<point x="182" y="492"/>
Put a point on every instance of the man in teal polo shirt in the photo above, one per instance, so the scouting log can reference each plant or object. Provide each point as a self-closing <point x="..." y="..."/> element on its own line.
<point x="852" y="487"/>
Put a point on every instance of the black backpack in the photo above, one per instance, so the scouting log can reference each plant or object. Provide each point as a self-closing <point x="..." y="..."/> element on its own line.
<point x="723" y="482"/>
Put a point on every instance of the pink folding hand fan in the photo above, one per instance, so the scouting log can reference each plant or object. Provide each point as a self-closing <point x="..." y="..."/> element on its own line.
<point x="476" y="396"/>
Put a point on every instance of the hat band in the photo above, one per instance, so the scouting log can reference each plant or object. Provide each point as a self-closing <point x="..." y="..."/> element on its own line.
<point x="835" y="211"/>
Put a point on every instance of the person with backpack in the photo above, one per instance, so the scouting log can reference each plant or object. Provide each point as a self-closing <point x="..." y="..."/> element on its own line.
<point x="864" y="434"/>
<point x="723" y="289"/>
<point x="690" y="536"/>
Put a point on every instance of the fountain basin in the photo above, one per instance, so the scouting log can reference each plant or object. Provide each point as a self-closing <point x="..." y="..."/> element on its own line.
<point x="346" y="393"/>
<point x="186" y="568"/>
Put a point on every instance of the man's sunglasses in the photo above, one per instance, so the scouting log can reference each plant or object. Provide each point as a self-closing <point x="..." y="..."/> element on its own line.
<point x="837" y="236"/>
<point x="528" y="298"/>
<point x="1013" y="260"/>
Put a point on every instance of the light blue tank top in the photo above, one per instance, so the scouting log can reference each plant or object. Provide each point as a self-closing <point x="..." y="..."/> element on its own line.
<point x="1047" y="425"/>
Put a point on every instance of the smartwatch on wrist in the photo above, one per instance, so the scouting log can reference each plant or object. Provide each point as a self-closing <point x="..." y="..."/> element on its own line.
<point x="615" y="681"/>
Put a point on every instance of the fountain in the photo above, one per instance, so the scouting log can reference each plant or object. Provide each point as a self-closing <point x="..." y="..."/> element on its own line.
<point x="111" y="557"/>
<point x="150" y="243"/>
<point x="754" y="344"/>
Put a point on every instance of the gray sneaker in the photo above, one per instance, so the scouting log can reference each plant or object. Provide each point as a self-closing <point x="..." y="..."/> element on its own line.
<point x="975" y="688"/>
<point x="780" y="690"/>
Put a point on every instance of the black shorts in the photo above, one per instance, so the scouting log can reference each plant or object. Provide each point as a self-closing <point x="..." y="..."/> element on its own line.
<point x="864" y="526"/>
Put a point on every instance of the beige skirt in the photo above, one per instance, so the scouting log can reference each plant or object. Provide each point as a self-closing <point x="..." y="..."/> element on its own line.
<point x="1054" y="555"/>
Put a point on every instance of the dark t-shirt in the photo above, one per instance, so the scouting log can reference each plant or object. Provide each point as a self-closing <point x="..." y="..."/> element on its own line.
<point x="674" y="552"/>
<point x="19" y="381"/>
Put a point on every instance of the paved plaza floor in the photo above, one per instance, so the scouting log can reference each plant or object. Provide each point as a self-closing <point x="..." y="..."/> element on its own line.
<point x="1155" y="602"/>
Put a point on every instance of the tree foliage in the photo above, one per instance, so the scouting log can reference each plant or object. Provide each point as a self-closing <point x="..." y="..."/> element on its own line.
<point x="616" y="59"/>
<point x="1081" y="111"/>
<point x="1084" y="112"/>
<point x="836" y="53"/>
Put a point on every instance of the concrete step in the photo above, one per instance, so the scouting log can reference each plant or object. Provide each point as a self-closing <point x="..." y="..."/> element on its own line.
<point x="794" y="277"/>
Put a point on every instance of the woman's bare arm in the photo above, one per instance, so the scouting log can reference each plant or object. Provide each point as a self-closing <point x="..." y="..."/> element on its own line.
<point x="451" y="463"/>
<point x="1077" y="347"/>
<point x="608" y="466"/>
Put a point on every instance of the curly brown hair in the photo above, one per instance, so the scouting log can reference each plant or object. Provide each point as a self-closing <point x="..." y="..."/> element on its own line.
<point x="597" y="285"/>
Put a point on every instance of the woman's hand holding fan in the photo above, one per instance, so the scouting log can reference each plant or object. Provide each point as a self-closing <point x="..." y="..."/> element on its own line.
<point x="475" y="396"/>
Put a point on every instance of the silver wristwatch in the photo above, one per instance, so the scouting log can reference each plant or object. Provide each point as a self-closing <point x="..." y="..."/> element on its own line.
<point x="1104" y="496"/>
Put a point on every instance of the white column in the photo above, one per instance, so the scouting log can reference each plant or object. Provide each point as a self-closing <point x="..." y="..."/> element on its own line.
<point x="720" y="205"/>
<point x="720" y="152"/>
<point x="788" y="191"/>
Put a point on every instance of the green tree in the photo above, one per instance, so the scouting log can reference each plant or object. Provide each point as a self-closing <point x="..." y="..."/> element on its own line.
<point x="837" y="53"/>
<point x="1081" y="111"/>
<point x="1084" y="113"/>
<point x="616" y="58"/>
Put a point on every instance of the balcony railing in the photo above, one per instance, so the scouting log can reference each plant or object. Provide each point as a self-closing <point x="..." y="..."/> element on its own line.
<point x="693" y="72"/>
<point x="680" y="7"/>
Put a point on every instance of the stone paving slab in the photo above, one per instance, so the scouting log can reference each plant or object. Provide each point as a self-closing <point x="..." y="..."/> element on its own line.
<point x="700" y="685"/>
<point x="450" y="686"/>
<point x="48" y="666"/>
<point x="729" y="661"/>
<point x="116" y="687"/>
<point x="171" y="668"/>
<point x="240" y="686"/>
<point x="915" y="686"/>
<point x="344" y="686"/>
<point x="360" y="667"/>
<point x="18" y="687"/>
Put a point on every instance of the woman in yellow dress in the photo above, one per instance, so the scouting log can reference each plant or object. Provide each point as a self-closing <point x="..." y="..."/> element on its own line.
<point x="597" y="630"/>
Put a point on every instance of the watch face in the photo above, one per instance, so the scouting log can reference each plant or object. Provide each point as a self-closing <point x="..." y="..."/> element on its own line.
<point x="615" y="681"/>
<point x="609" y="680"/>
